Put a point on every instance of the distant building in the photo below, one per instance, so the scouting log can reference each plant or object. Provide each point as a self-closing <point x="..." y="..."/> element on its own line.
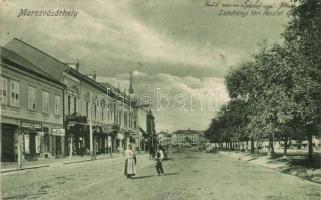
<point x="164" y="138"/>
<point x="185" y="137"/>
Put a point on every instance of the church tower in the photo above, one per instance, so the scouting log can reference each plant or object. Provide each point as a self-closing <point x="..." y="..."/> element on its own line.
<point x="131" y="90"/>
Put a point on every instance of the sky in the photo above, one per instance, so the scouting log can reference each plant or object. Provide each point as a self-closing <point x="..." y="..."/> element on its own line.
<point x="177" y="49"/>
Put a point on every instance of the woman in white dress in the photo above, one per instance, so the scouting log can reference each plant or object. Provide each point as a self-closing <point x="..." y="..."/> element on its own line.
<point x="130" y="169"/>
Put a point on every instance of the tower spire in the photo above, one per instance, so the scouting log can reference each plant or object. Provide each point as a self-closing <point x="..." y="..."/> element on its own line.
<point x="131" y="90"/>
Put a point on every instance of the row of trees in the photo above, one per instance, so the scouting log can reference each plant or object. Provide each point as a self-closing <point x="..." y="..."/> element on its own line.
<point x="278" y="93"/>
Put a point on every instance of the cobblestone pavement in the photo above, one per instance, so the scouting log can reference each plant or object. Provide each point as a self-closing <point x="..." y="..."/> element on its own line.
<point x="189" y="175"/>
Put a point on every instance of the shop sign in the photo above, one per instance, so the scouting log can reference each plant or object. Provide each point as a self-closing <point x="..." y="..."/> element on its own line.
<point x="29" y="126"/>
<point x="107" y="129"/>
<point x="58" y="131"/>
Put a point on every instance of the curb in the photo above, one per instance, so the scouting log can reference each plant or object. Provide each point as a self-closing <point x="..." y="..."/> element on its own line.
<point x="24" y="168"/>
<point x="278" y="170"/>
<point x="53" y="164"/>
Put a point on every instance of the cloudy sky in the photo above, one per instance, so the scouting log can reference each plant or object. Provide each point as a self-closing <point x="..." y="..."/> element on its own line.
<point x="182" y="47"/>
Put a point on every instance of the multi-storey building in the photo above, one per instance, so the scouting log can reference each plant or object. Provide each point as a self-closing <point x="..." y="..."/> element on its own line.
<point x="185" y="137"/>
<point x="164" y="138"/>
<point x="89" y="107"/>
<point x="31" y="109"/>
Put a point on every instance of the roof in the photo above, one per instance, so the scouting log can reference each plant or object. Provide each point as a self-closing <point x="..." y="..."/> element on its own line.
<point x="186" y="132"/>
<point x="12" y="58"/>
<point x="38" y="58"/>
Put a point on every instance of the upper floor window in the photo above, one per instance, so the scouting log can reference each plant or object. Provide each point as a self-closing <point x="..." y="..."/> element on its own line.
<point x="57" y="104"/>
<point x="32" y="98"/>
<point x="3" y="90"/>
<point x="45" y="102"/>
<point x="75" y="104"/>
<point x="69" y="104"/>
<point x="87" y="108"/>
<point x="14" y="93"/>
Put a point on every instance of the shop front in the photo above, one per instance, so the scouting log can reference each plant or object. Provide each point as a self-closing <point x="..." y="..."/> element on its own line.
<point x="77" y="137"/>
<point x="58" y="141"/>
<point x="32" y="133"/>
<point x="110" y="137"/>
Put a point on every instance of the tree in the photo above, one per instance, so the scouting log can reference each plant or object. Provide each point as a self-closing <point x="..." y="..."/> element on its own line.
<point x="302" y="39"/>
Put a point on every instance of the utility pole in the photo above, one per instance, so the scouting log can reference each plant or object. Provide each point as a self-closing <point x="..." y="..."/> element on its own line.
<point x="20" y="146"/>
<point x="91" y="129"/>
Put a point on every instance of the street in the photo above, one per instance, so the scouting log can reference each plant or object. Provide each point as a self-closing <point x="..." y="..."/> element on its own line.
<point x="189" y="175"/>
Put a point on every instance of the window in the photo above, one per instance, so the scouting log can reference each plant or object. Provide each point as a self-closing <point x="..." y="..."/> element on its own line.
<point x="102" y="115"/>
<point x="32" y="98"/>
<point x="87" y="108"/>
<point x="45" y="102"/>
<point x="57" y="104"/>
<point x="69" y="104"/>
<point x="14" y="93"/>
<point x="75" y="104"/>
<point x="3" y="90"/>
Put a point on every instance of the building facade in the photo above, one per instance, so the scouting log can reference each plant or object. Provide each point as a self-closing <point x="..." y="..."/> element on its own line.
<point x="181" y="137"/>
<point x="31" y="110"/>
<point x="97" y="118"/>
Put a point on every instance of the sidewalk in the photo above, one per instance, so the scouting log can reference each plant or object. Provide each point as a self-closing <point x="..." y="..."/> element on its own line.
<point x="291" y="165"/>
<point x="13" y="166"/>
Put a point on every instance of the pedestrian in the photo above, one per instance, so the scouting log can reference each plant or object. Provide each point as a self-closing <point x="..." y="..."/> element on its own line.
<point x="159" y="158"/>
<point x="130" y="169"/>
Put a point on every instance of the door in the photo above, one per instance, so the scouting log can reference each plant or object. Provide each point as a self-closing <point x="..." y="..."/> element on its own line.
<point x="32" y="144"/>
<point x="7" y="143"/>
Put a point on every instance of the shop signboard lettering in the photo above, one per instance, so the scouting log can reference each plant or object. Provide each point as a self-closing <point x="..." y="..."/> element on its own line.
<point x="58" y="131"/>
<point x="29" y="126"/>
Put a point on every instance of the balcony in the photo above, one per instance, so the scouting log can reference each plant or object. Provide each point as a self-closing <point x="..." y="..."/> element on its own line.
<point x="76" y="118"/>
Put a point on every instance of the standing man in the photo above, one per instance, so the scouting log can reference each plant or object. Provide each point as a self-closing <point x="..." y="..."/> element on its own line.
<point x="159" y="158"/>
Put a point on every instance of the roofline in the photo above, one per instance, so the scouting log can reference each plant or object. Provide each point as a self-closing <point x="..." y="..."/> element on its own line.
<point x="44" y="78"/>
<point x="95" y="83"/>
<point x="40" y="51"/>
<point x="30" y="70"/>
<point x="43" y="71"/>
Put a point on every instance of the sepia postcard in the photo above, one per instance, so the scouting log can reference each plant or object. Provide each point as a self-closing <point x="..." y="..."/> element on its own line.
<point x="160" y="99"/>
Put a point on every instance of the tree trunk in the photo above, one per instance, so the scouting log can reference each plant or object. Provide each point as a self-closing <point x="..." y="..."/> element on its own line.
<point x="252" y="145"/>
<point x="247" y="145"/>
<point x="299" y="144"/>
<point x="310" y="153"/>
<point x="285" y="146"/>
<point x="271" y="146"/>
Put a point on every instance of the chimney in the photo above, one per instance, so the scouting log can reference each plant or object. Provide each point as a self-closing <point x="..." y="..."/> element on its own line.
<point x="77" y="65"/>
<point x="94" y="75"/>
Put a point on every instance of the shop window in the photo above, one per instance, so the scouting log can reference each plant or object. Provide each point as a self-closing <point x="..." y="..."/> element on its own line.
<point x="57" y="104"/>
<point x="3" y="90"/>
<point x="45" y="102"/>
<point x="14" y="93"/>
